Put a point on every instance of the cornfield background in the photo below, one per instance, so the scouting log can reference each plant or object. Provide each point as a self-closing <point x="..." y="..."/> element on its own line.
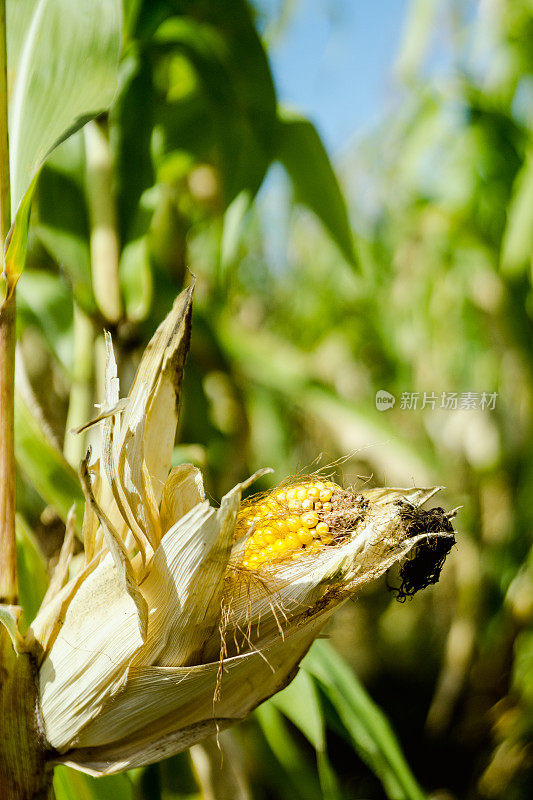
<point x="410" y="274"/>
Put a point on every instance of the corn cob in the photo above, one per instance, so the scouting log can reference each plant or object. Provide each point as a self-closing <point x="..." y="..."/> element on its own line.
<point x="295" y="521"/>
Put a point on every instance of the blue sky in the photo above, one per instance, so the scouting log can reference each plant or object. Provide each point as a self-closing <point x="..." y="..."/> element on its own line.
<point x="333" y="61"/>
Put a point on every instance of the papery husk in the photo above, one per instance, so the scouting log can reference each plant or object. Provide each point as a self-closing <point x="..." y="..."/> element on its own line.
<point x="98" y="622"/>
<point x="136" y="447"/>
<point x="163" y="710"/>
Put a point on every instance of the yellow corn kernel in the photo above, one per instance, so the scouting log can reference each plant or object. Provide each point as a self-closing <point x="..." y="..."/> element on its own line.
<point x="269" y="535"/>
<point x="325" y="495"/>
<point x="291" y="493"/>
<point x="281" y="497"/>
<point x="294" y="505"/>
<point x="304" y="535"/>
<point x="292" y="542"/>
<point x="309" y="519"/>
<point x="279" y="527"/>
<point x="301" y="494"/>
<point x="327" y="507"/>
<point x="326" y="538"/>
<point x="322" y="528"/>
<point x="307" y="505"/>
<point x="293" y="523"/>
<point x="279" y="547"/>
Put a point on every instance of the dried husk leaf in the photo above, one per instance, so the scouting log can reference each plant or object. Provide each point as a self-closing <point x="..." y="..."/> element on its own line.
<point x="118" y="551"/>
<point x="161" y="372"/>
<point x="60" y="574"/>
<point x="187" y="695"/>
<point x="183" y="489"/>
<point x="90" y="654"/>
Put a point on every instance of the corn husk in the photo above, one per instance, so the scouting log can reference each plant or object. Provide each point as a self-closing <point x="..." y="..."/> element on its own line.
<point x="162" y="639"/>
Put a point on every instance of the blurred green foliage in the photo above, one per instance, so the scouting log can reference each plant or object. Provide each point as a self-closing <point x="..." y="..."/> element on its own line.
<point x="285" y="361"/>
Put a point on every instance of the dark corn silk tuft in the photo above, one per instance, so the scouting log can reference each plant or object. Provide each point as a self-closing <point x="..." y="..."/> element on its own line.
<point x="427" y="558"/>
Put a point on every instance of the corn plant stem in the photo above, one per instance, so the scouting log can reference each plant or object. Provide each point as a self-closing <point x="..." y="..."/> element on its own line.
<point x="79" y="407"/>
<point x="5" y="194"/>
<point x="23" y="771"/>
<point x="8" y="551"/>
<point x="104" y="236"/>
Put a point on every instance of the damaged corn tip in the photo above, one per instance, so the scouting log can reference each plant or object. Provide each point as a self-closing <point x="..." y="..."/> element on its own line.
<point x="288" y="523"/>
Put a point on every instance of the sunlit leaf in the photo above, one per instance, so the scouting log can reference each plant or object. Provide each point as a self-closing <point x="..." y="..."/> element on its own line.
<point x="62" y="64"/>
<point x="303" y="155"/>
<point x="62" y="59"/>
<point x="417" y="37"/>
<point x="72" y="785"/>
<point x="232" y="228"/>
<point x="299" y="702"/>
<point x="9" y="617"/>
<point x="367" y="726"/>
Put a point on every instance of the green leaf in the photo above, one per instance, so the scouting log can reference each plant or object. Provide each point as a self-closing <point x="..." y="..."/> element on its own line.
<point x="62" y="59"/>
<point x="136" y="279"/>
<point x="367" y="726"/>
<point x="131" y="125"/>
<point x="303" y="155"/>
<point x="232" y="228"/>
<point x="45" y="302"/>
<point x="517" y="244"/>
<point x="300" y="702"/>
<point x="302" y="783"/>
<point x="9" y="618"/>
<point x="16" y="245"/>
<point x="44" y="465"/>
<point x="69" y="784"/>
<point x="32" y="574"/>
<point x="61" y="218"/>
<point x="232" y="68"/>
